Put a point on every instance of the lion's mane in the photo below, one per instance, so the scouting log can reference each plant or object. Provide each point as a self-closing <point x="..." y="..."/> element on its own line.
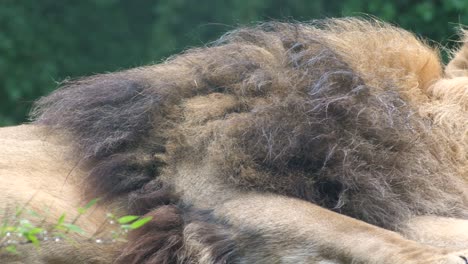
<point x="345" y="113"/>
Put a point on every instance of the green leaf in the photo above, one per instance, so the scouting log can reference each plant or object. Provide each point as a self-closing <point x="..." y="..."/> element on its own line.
<point x="33" y="213"/>
<point x="33" y="239"/>
<point x="11" y="249"/>
<point x="60" y="228"/>
<point x="140" y="222"/>
<point x="74" y="228"/>
<point x="18" y="211"/>
<point x="60" y="234"/>
<point x="127" y="219"/>
<point x="85" y="208"/>
<point x="35" y="230"/>
<point x="61" y="219"/>
<point x="91" y="203"/>
<point x="9" y="229"/>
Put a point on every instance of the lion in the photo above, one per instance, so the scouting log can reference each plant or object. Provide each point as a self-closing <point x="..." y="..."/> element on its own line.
<point x="334" y="141"/>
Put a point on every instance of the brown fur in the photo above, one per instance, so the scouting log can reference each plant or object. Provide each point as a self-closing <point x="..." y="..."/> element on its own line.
<point x="354" y="116"/>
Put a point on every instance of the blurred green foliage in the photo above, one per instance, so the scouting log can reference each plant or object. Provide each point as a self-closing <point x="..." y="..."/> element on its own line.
<point x="44" y="42"/>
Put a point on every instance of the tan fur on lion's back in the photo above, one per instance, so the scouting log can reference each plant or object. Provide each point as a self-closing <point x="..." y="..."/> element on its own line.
<point x="279" y="143"/>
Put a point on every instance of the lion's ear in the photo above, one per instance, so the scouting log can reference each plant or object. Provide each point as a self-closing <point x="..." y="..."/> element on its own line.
<point x="458" y="66"/>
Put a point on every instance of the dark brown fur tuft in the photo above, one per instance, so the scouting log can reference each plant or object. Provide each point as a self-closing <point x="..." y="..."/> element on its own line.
<point x="89" y="108"/>
<point x="179" y="235"/>
<point x="150" y="196"/>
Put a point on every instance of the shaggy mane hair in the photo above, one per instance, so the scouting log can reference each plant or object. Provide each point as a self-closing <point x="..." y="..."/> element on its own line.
<point x="345" y="113"/>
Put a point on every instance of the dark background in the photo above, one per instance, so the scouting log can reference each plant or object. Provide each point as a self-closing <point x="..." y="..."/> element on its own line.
<point x="43" y="42"/>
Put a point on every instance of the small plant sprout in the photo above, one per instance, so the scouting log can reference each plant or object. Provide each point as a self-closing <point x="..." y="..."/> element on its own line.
<point x="124" y="225"/>
<point x="20" y="230"/>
